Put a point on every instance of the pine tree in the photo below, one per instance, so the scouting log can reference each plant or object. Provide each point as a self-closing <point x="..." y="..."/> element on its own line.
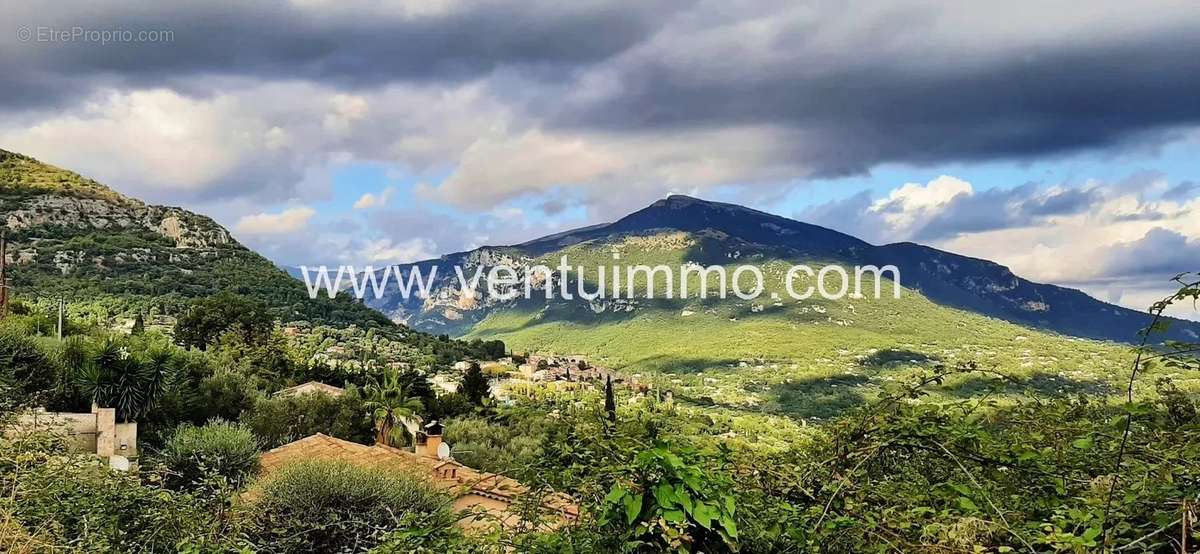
<point x="610" y="401"/>
<point x="475" y="385"/>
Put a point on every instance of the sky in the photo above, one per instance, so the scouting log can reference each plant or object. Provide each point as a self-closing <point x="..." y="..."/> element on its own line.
<point x="1055" y="138"/>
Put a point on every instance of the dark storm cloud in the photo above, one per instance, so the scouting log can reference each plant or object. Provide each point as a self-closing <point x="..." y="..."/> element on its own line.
<point x="835" y="91"/>
<point x="337" y="43"/>
<point x="1160" y="252"/>
<point x="943" y="102"/>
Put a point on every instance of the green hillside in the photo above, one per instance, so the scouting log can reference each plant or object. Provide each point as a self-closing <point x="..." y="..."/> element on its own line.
<point x="111" y="256"/>
<point x="812" y="357"/>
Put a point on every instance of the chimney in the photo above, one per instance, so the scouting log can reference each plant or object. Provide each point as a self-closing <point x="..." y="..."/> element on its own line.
<point x="432" y="442"/>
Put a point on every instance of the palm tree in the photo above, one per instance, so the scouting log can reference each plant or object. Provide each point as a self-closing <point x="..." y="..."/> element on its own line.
<point x="112" y="377"/>
<point x="390" y="405"/>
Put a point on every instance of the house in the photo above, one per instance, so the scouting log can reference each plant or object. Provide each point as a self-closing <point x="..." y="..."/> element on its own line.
<point x="97" y="432"/>
<point x="311" y="387"/>
<point x="444" y="384"/>
<point x="490" y="495"/>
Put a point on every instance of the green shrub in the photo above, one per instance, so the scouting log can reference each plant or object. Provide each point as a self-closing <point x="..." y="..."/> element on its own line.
<point x="226" y="394"/>
<point x="195" y="454"/>
<point x="28" y="370"/>
<point x="490" y="446"/>
<point x="329" y="506"/>
<point x="75" y="503"/>
<point x="278" y="421"/>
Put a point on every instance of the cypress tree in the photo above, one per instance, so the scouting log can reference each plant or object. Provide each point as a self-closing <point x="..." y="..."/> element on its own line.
<point x="610" y="401"/>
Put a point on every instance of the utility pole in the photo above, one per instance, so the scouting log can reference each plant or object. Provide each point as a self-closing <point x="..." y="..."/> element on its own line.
<point x="3" y="274"/>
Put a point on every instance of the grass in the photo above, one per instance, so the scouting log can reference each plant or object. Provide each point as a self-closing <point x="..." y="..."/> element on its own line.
<point x="810" y="358"/>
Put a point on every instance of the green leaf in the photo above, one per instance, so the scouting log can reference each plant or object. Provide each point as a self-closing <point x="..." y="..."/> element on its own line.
<point x="1083" y="443"/>
<point x="730" y="527"/>
<point x="705" y="514"/>
<point x="633" y="507"/>
<point x="673" y="516"/>
<point x="615" y="494"/>
<point x="967" y="504"/>
<point x="664" y="494"/>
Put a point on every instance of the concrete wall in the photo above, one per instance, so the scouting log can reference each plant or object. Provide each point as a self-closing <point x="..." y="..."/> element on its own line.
<point x="126" y="439"/>
<point x="97" y="432"/>
<point x="80" y="429"/>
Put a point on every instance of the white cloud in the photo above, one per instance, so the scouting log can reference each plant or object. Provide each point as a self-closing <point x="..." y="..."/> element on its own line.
<point x="614" y="172"/>
<point x="345" y="110"/>
<point x="287" y="221"/>
<point x="1108" y="239"/>
<point x="151" y="136"/>
<point x="369" y="200"/>
<point x="912" y="201"/>
<point x="385" y="250"/>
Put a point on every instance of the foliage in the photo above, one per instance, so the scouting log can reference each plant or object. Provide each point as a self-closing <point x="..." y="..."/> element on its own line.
<point x="113" y="376"/>
<point x="76" y="503"/>
<point x="475" y="386"/>
<point x="500" y="447"/>
<point x="390" y="405"/>
<point x="227" y="394"/>
<point x="280" y="420"/>
<point x="324" y="506"/>
<point x="25" y="367"/>
<point x="219" y="448"/>
<point x="208" y="318"/>
<point x="668" y="504"/>
<point x="610" y="401"/>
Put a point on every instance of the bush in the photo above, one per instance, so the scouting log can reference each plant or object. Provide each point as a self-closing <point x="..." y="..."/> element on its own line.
<point x="329" y="506"/>
<point x="195" y="454"/>
<point x="55" y="501"/>
<point x="25" y="367"/>
<point x="489" y="446"/>
<point x="226" y="394"/>
<point x="278" y="421"/>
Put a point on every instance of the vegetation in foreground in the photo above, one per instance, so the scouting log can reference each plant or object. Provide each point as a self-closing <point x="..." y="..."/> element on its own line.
<point x="912" y="470"/>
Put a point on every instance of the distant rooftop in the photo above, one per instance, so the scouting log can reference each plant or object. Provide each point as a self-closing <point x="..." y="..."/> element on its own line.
<point x="309" y="388"/>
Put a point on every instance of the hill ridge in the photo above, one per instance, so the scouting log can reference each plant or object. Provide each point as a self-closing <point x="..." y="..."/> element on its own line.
<point x="113" y="255"/>
<point x="953" y="280"/>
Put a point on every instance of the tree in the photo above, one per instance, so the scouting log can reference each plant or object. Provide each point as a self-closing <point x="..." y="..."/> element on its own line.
<point x="390" y="404"/>
<point x="610" y="401"/>
<point x="139" y="325"/>
<point x="112" y="377"/>
<point x="207" y="318"/>
<point x="29" y="373"/>
<point x="475" y="385"/>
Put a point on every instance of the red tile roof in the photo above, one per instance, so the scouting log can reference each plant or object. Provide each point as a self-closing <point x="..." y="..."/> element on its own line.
<point x="455" y="478"/>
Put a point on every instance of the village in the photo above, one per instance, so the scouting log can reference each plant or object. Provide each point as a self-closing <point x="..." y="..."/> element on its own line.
<point x="491" y="497"/>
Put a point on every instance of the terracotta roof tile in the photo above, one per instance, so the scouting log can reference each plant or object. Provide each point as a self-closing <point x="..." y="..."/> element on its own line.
<point x="449" y="475"/>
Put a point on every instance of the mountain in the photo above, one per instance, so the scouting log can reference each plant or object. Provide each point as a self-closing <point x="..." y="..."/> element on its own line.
<point x="942" y="290"/>
<point x="112" y="256"/>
